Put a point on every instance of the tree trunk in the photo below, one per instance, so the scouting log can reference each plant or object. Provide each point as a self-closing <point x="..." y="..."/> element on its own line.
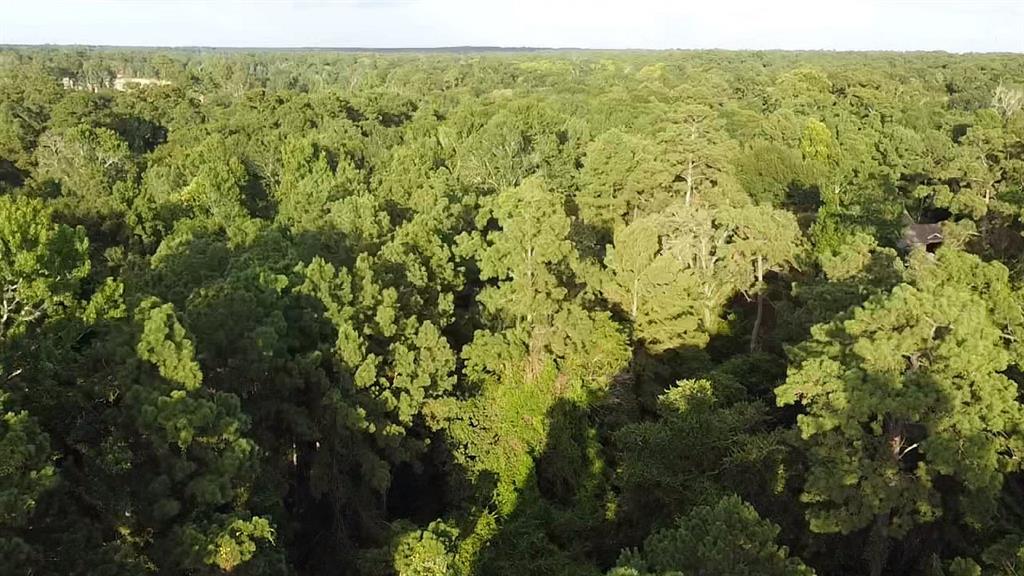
<point x="877" y="549"/>
<point x="529" y="280"/>
<point x="635" y="304"/>
<point x="760" y="306"/>
<point x="757" y="322"/>
<point x="689" y="180"/>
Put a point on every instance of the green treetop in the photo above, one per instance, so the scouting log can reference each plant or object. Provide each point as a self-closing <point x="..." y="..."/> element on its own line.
<point x="726" y="539"/>
<point x="906" y="392"/>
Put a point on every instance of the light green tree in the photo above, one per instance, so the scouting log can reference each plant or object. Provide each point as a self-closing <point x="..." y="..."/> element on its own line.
<point x="727" y="539"/>
<point x="709" y="439"/>
<point x="699" y="153"/>
<point x="763" y="240"/>
<point x="904" y="391"/>
<point x="309" y="185"/>
<point x="216" y="178"/>
<point x="652" y="287"/>
<point x="190" y="459"/>
<point x="525" y="256"/>
<point x="26" y="473"/>
<point x="698" y="239"/>
<point x="622" y="178"/>
<point x="93" y="167"/>
<point x="979" y="175"/>
<point x="41" y="264"/>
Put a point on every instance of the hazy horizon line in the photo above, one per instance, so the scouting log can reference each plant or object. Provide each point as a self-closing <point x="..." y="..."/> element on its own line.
<point x="491" y="48"/>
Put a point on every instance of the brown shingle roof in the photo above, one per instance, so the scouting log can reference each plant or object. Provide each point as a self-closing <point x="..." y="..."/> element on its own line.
<point x="922" y="235"/>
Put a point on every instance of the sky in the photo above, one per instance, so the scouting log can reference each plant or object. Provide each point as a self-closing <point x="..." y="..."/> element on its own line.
<point x="950" y="25"/>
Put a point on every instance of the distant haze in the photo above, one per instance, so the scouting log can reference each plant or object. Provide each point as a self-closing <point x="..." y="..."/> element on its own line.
<point x="951" y="25"/>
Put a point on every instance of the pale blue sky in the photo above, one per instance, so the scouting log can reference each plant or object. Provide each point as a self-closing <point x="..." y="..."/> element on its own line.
<point x="952" y="25"/>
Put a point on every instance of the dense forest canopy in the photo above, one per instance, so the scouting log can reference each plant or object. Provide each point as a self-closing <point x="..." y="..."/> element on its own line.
<point x="560" y="313"/>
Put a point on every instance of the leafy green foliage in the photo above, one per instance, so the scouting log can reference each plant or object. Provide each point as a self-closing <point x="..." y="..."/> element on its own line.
<point x="465" y="314"/>
<point x="526" y="253"/>
<point x="728" y="538"/>
<point x="621" y="178"/>
<point x="708" y="439"/>
<point x="27" y="472"/>
<point x="93" y="167"/>
<point x="649" y="285"/>
<point x="41" y="264"/>
<point x="909" y="391"/>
